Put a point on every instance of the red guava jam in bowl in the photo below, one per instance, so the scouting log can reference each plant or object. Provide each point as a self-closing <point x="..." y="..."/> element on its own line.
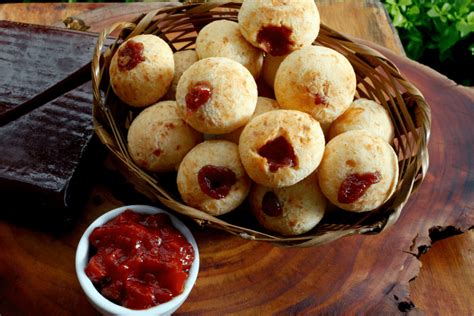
<point x="137" y="259"/>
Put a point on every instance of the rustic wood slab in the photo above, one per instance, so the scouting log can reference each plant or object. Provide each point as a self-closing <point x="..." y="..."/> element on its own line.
<point x="450" y="263"/>
<point x="359" y="274"/>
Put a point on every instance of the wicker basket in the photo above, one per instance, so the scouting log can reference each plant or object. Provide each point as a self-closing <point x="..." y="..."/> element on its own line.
<point x="377" y="79"/>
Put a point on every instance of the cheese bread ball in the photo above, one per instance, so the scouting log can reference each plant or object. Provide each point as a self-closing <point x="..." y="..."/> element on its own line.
<point x="211" y="177"/>
<point x="141" y="70"/>
<point x="216" y="95"/>
<point x="222" y="38"/>
<point x="316" y="80"/>
<point x="279" y="27"/>
<point x="270" y="67"/>
<point x="289" y="211"/>
<point x="182" y="61"/>
<point x="359" y="171"/>
<point x="281" y="147"/>
<point x="263" y="105"/>
<point x="367" y="115"/>
<point x="158" y="139"/>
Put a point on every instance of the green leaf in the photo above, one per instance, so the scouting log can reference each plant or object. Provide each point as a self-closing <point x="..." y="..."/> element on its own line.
<point x="414" y="10"/>
<point x="464" y="29"/>
<point x="448" y="39"/>
<point x="439" y="26"/>
<point x="394" y="11"/>
<point x="404" y="2"/>
<point x="432" y="13"/>
<point x="445" y="8"/>
<point x="398" y="19"/>
<point x="470" y="18"/>
<point x="462" y="7"/>
<point x="415" y="50"/>
<point x="415" y="36"/>
<point x="462" y="3"/>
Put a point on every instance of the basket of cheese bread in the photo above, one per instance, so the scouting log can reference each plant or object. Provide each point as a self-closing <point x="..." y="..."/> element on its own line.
<point x="258" y="120"/>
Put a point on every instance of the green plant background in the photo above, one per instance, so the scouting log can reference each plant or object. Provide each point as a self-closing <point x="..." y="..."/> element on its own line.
<point x="437" y="33"/>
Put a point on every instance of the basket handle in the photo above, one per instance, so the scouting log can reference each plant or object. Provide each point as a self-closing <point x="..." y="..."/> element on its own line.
<point x="97" y="69"/>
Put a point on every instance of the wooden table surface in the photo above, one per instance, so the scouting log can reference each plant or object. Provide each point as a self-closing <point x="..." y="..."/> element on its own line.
<point x="30" y="270"/>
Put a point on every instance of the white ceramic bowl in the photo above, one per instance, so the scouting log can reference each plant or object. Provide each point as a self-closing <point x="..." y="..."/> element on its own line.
<point x="105" y="306"/>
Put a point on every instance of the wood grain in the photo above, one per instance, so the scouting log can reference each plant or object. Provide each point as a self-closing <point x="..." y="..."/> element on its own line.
<point x="44" y="14"/>
<point x="451" y="270"/>
<point x="355" y="275"/>
<point x="362" y="19"/>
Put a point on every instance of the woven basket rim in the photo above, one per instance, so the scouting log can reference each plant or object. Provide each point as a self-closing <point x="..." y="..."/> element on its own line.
<point x="410" y="113"/>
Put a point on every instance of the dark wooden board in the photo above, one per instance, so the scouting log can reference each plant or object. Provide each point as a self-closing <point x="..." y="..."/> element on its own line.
<point x="30" y="76"/>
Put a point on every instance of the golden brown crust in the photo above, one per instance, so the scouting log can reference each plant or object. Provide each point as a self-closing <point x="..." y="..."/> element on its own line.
<point x="299" y="129"/>
<point x="158" y="139"/>
<point x="316" y="80"/>
<point x="367" y="115"/>
<point x="138" y="87"/>
<point x="222" y="38"/>
<point x="358" y="152"/>
<point x="218" y="153"/>
<point x="233" y="100"/>
<point x="302" y="205"/>
<point x="301" y="17"/>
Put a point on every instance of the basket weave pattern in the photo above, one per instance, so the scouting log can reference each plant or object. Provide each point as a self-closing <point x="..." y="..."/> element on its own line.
<point x="377" y="79"/>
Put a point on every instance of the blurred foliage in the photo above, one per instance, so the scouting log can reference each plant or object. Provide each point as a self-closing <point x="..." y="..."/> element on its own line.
<point x="438" y="33"/>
